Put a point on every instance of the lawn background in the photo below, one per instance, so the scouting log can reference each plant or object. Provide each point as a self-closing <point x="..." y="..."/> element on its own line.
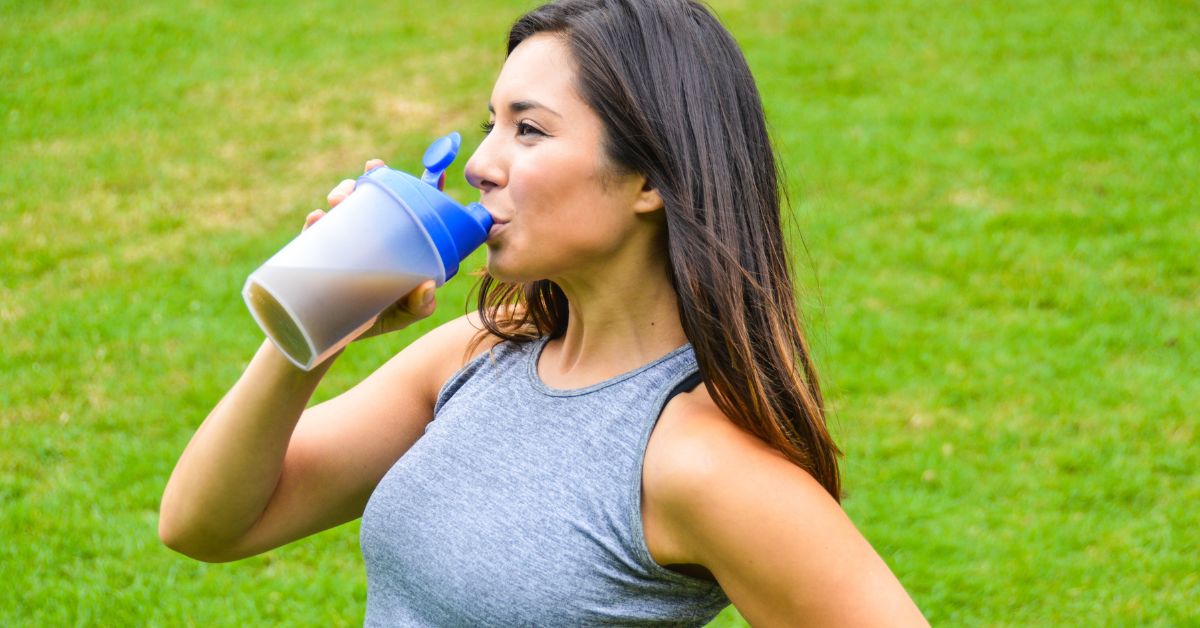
<point x="998" y="203"/>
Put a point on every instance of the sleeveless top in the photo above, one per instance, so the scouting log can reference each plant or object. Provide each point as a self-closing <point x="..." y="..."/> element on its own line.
<point x="521" y="505"/>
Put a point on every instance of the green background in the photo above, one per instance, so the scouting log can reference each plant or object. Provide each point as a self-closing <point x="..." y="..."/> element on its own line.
<point x="998" y="205"/>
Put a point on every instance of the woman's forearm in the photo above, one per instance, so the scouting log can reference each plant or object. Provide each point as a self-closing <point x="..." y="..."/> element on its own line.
<point x="227" y="474"/>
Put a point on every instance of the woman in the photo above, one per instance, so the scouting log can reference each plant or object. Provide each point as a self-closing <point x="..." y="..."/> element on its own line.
<point x="552" y="459"/>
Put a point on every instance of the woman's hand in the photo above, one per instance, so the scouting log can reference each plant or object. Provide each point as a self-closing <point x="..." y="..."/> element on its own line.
<point x="412" y="307"/>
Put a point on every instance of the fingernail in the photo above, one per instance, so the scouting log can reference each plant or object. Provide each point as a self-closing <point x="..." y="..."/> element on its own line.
<point x="428" y="298"/>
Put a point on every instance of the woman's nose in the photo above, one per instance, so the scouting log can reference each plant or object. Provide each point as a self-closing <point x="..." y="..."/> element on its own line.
<point x="484" y="169"/>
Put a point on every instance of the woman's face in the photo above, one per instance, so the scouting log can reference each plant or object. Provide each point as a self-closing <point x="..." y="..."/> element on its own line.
<point x="560" y="207"/>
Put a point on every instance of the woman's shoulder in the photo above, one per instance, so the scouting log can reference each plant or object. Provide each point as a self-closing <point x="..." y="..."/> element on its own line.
<point x="456" y="343"/>
<point x="779" y="544"/>
<point x="695" y="441"/>
<point x="699" y="460"/>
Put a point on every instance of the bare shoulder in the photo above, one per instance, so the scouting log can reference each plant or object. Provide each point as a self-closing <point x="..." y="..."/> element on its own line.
<point x="440" y="353"/>
<point x="781" y="547"/>
<point x="697" y="452"/>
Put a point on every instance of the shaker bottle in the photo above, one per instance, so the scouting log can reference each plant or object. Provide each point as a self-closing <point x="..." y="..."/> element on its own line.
<point x="392" y="233"/>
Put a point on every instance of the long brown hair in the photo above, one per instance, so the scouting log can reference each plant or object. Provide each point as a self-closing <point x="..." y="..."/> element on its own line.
<point x="680" y="106"/>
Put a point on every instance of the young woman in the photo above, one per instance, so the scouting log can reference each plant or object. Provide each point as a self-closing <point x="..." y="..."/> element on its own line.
<point x="552" y="459"/>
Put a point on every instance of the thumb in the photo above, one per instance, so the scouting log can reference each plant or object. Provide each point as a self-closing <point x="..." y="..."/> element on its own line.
<point x="419" y="302"/>
<point x="428" y="292"/>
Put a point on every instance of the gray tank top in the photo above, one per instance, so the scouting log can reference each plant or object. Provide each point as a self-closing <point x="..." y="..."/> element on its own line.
<point x="520" y="505"/>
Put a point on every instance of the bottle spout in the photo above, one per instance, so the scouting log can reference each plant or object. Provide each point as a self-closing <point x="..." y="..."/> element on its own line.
<point x="481" y="215"/>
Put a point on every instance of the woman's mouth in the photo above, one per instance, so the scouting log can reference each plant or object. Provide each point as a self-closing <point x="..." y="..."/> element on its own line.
<point x="496" y="228"/>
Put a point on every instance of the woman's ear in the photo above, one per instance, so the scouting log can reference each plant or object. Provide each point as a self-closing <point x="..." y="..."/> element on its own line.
<point x="648" y="200"/>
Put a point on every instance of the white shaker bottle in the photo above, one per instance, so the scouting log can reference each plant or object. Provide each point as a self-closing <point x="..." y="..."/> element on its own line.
<point x="394" y="232"/>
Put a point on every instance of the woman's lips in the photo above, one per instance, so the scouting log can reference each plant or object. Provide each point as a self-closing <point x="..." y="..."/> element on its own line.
<point x="498" y="222"/>
<point x="496" y="228"/>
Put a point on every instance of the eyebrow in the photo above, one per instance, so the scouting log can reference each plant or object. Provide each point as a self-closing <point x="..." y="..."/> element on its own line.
<point x="517" y="106"/>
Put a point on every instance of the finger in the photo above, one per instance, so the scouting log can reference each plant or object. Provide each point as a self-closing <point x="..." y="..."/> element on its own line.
<point x="421" y="299"/>
<point x="312" y="217"/>
<point x="340" y="192"/>
<point x="372" y="164"/>
<point x="409" y="309"/>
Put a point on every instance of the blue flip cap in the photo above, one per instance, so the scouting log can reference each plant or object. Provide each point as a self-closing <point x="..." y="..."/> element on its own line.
<point x="455" y="230"/>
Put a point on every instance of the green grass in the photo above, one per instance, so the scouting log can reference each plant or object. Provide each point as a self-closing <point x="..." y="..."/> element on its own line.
<point x="999" y="206"/>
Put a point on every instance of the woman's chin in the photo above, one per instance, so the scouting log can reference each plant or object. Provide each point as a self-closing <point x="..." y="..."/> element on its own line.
<point x="499" y="272"/>
<point x="505" y="276"/>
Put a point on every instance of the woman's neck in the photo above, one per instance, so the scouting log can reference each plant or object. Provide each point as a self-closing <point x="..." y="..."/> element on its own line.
<point x="615" y="325"/>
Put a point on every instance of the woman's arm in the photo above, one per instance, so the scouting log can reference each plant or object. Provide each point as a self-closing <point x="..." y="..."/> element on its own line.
<point x="262" y="471"/>
<point x="782" y="549"/>
<point x="226" y="475"/>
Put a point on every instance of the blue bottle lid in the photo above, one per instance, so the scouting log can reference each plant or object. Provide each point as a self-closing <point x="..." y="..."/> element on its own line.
<point x="455" y="230"/>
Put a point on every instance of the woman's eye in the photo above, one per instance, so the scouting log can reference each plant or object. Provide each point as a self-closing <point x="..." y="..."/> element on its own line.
<point x="523" y="128"/>
<point x="527" y="129"/>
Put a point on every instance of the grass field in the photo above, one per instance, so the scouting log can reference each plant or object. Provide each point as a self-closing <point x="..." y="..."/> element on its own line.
<point x="1000" y="209"/>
